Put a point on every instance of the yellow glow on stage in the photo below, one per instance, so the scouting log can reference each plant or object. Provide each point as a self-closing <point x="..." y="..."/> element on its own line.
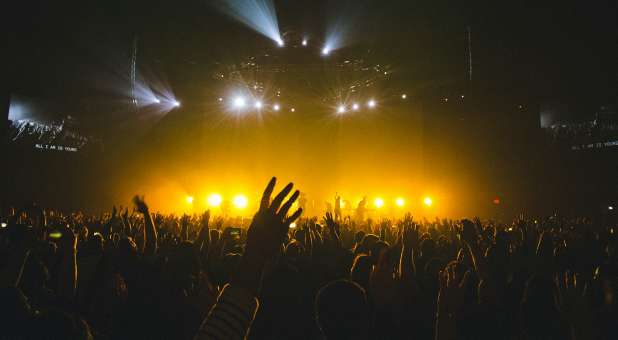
<point x="428" y="201"/>
<point x="378" y="202"/>
<point x="400" y="202"/>
<point x="240" y="201"/>
<point x="189" y="199"/>
<point x="214" y="200"/>
<point x="293" y="225"/>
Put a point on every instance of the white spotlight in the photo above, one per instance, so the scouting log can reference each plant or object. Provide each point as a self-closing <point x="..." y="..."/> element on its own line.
<point x="280" y="42"/>
<point x="355" y="107"/>
<point x="304" y="42"/>
<point x="220" y="99"/>
<point x="258" y="105"/>
<point x="404" y="96"/>
<point x="341" y="109"/>
<point x="157" y="100"/>
<point x="276" y="107"/>
<point x="239" y="102"/>
<point x="176" y="103"/>
<point x="293" y="109"/>
<point x="371" y="103"/>
<point x="325" y="51"/>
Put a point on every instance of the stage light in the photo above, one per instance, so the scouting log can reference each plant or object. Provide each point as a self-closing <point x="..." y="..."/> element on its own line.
<point x="341" y="109"/>
<point x="325" y="51"/>
<point x="240" y="201"/>
<point x="371" y="103"/>
<point x="280" y="42"/>
<point x="293" y="109"/>
<point x="404" y="96"/>
<point x="189" y="199"/>
<point x="276" y="107"/>
<point x="400" y="202"/>
<point x="355" y="107"/>
<point x="157" y="100"/>
<point x="610" y="207"/>
<point x="378" y="202"/>
<point x="220" y="99"/>
<point x="176" y="103"/>
<point x="258" y="105"/>
<point x="304" y="42"/>
<point x="214" y="200"/>
<point x="239" y="102"/>
<point x="259" y="15"/>
<point x="292" y="225"/>
<point x="428" y="201"/>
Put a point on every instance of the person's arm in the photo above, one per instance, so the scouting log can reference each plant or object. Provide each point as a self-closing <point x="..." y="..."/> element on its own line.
<point x="409" y="244"/>
<point x="233" y="313"/>
<point x="150" y="232"/>
<point x="10" y="274"/>
<point x="332" y="226"/>
<point x="203" y="238"/>
<point x="67" y="270"/>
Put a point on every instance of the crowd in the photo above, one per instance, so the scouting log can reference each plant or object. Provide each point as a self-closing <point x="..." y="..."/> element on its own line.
<point x="145" y="275"/>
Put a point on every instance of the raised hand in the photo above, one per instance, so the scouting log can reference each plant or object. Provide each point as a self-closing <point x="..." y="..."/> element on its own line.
<point x="140" y="204"/>
<point x="410" y="236"/>
<point x="149" y="232"/>
<point x="265" y="235"/>
<point x="452" y="289"/>
<point x="271" y="223"/>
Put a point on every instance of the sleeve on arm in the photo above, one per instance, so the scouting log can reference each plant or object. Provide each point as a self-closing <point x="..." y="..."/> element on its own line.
<point x="231" y="316"/>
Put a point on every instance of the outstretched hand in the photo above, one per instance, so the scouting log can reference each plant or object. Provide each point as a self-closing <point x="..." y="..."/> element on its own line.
<point x="265" y="235"/>
<point x="271" y="223"/>
<point x="140" y="204"/>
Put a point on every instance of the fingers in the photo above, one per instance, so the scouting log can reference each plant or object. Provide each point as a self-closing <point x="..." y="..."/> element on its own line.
<point x="274" y="205"/>
<point x="293" y="217"/>
<point x="267" y="192"/>
<point x="287" y="205"/>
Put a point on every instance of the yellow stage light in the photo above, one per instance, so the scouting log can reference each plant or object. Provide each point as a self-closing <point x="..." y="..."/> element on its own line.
<point x="214" y="200"/>
<point x="240" y="201"/>
<point x="293" y="225"/>
<point x="400" y="202"/>
<point x="378" y="202"/>
<point x="428" y="201"/>
<point x="189" y="199"/>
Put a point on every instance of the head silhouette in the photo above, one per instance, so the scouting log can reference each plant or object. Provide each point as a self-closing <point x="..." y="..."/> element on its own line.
<point x="342" y="311"/>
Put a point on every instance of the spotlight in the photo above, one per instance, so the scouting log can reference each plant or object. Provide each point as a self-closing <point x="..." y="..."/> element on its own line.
<point x="355" y="107"/>
<point x="220" y="99"/>
<point x="325" y="51"/>
<point x="428" y="201"/>
<point x="157" y="100"/>
<point x="214" y="200"/>
<point x="276" y="107"/>
<point x="378" y="202"/>
<point x="610" y="207"/>
<point x="341" y="109"/>
<point x="239" y="102"/>
<point x="304" y="42"/>
<point x="293" y="225"/>
<point x="404" y="96"/>
<point x="400" y="202"/>
<point x="293" y="109"/>
<point x="280" y="43"/>
<point x="189" y="199"/>
<point x="371" y="103"/>
<point x="258" y="105"/>
<point x="240" y="201"/>
<point x="176" y="103"/>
